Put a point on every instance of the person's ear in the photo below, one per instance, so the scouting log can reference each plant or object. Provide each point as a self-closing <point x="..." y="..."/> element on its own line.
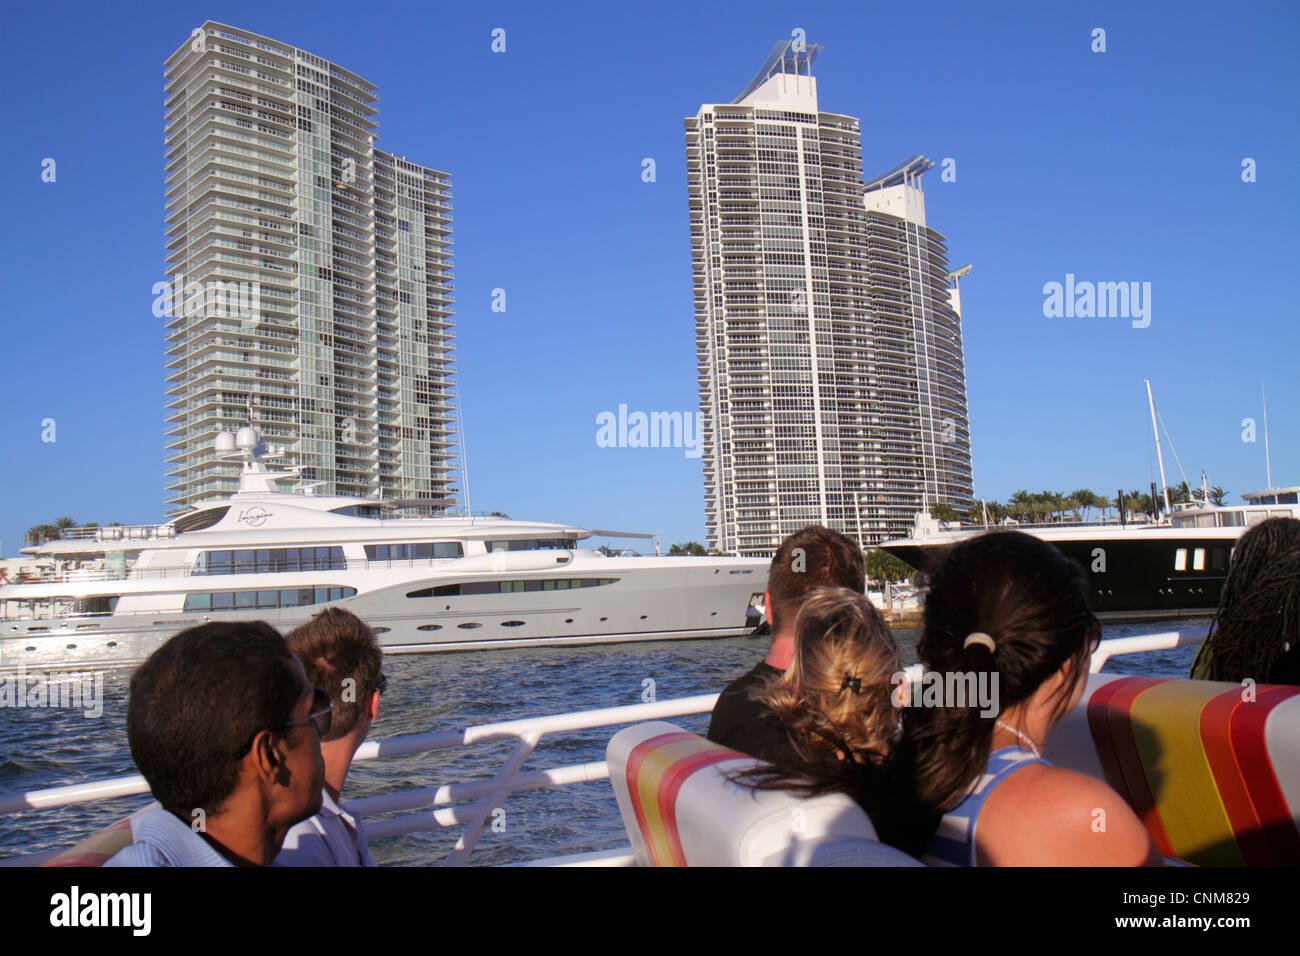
<point x="372" y="706"/>
<point x="266" y="758"/>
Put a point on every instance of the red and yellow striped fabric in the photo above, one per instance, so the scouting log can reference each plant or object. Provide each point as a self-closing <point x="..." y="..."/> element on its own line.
<point x="1193" y="760"/>
<point x="656" y="769"/>
<point x="97" y="848"/>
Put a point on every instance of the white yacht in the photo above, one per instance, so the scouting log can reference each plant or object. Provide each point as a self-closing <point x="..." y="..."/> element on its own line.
<point x="110" y="596"/>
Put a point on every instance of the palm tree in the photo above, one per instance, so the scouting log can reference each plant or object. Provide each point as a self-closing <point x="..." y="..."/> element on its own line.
<point x="1217" y="495"/>
<point x="1104" y="504"/>
<point x="1180" y="494"/>
<point x="1086" y="499"/>
<point x="1019" y="503"/>
<point x="41" y="533"/>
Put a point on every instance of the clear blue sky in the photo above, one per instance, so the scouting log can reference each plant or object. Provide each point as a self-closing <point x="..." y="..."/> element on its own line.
<point x="1115" y="166"/>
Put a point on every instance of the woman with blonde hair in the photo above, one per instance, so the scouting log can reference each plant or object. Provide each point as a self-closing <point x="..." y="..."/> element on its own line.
<point x="835" y="703"/>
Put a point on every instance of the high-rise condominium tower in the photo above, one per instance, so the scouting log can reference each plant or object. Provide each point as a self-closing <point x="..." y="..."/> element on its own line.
<point x="830" y="356"/>
<point x="309" y="273"/>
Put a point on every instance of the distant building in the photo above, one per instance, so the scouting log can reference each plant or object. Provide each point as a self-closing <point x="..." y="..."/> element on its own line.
<point x="831" y="375"/>
<point x="314" y="274"/>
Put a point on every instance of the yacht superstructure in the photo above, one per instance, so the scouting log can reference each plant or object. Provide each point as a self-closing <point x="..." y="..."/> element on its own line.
<point x="1135" y="570"/>
<point x="112" y="595"/>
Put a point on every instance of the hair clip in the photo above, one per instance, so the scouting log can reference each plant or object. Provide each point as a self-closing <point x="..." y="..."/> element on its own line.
<point x="851" y="683"/>
<point x="978" y="637"/>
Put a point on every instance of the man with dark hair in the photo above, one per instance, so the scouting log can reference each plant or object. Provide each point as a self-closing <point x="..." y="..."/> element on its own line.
<point x="340" y="654"/>
<point x="811" y="558"/>
<point x="226" y="729"/>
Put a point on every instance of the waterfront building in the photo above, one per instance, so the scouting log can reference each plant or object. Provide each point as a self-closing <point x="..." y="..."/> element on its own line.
<point x="831" y="375"/>
<point x="309" y="276"/>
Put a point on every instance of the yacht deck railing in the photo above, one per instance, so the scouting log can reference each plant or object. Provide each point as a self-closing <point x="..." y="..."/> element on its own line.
<point x="471" y="804"/>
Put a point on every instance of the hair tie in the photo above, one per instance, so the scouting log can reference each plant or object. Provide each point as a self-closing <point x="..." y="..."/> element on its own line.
<point x="979" y="637"/>
<point x="851" y="683"/>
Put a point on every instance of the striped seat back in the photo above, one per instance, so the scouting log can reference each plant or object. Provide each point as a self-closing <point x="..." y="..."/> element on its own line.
<point x="1212" y="769"/>
<point x="680" y="809"/>
<point x="97" y="848"/>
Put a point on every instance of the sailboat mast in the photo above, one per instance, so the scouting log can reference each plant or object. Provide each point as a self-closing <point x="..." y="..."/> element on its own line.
<point x="1268" y="464"/>
<point x="1159" y="454"/>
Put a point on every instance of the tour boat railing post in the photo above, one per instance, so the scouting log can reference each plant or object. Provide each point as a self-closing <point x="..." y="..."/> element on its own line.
<point x="481" y="812"/>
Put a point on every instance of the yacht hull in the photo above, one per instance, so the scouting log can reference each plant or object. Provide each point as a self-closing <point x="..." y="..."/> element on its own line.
<point x="672" y="599"/>
<point x="1137" y="577"/>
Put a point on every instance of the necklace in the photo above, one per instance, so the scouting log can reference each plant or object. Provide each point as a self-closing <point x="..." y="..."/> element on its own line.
<point x="1023" y="738"/>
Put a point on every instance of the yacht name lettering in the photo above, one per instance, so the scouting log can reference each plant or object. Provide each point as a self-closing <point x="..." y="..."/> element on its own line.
<point x="255" y="516"/>
<point x="653" y="430"/>
<point x="133" y="910"/>
<point x="1102" y="300"/>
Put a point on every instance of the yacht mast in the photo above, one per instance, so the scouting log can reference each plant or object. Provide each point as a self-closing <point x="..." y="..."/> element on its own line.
<point x="1160" y="455"/>
<point x="1268" y="464"/>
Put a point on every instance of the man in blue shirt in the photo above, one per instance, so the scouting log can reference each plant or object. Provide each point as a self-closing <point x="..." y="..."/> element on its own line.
<point x="225" y="727"/>
<point x="340" y="654"/>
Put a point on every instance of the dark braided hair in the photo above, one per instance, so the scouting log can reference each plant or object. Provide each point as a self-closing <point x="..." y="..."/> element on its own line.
<point x="1256" y="633"/>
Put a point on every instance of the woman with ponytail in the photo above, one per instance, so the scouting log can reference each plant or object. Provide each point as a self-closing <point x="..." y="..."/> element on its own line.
<point x="1013" y="607"/>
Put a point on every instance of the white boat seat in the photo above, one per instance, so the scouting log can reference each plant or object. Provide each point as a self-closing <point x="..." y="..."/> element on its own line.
<point x="680" y="809"/>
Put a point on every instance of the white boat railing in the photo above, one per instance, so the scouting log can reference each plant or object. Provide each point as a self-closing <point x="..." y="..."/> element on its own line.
<point x="1143" y="643"/>
<point x="471" y="804"/>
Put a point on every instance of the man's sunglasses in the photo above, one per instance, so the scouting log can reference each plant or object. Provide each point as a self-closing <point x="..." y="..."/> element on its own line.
<point x="321" y="716"/>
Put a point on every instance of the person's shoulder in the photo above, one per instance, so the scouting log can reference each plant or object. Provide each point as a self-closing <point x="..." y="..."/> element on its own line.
<point x="305" y="845"/>
<point x="138" y="854"/>
<point x="1043" y="815"/>
<point x="758" y="674"/>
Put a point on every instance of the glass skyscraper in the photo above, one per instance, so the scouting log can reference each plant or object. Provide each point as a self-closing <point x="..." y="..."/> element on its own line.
<point x="830" y="364"/>
<point x="309" y="276"/>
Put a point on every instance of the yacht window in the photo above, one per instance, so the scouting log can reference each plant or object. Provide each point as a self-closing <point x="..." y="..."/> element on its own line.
<point x="359" y="511"/>
<point x="1255" y="517"/>
<point x="1217" y="557"/>
<point x="1289" y="498"/>
<point x="534" y="544"/>
<point x="1198" y="559"/>
<point x="95" y="605"/>
<point x="1180" y="559"/>
<point x="510" y="587"/>
<point x="271" y="560"/>
<point x="286" y="597"/>
<point x="1282" y="513"/>
<point x="1231" y="519"/>
<point x="199" y="520"/>
<point x="1205" y="521"/>
<point x="407" y="551"/>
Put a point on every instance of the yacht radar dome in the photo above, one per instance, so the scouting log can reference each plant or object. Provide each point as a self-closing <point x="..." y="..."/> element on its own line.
<point x="225" y="443"/>
<point x="246" y="438"/>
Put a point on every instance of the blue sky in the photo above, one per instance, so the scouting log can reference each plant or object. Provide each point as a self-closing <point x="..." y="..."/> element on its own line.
<point x="1115" y="166"/>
